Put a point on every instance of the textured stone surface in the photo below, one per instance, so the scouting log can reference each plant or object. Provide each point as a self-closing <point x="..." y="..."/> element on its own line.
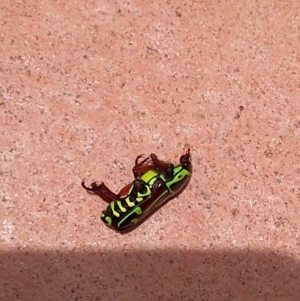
<point x="86" y="86"/>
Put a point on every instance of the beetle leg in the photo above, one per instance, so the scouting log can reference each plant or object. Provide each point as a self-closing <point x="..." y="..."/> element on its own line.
<point x="137" y="159"/>
<point x="154" y="201"/>
<point x="141" y="167"/>
<point x="102" y="190"/>
<point x="165" y="167"/>
<point x="138" y="170"/>
<point x="159" y="163"/>
<point x="124" y="191"/>
<point x="138" y="186"/>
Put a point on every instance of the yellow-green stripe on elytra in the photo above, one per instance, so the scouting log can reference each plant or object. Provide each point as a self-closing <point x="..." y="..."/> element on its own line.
<point x="107" y="219"/>
<point x="137" y="211"/>
<point x="179" y="174"/>
<point x="119" y="203"/>
<point x="112" y="206"/>
<point x="128" y="202"/>
<point x="149" y="177"/>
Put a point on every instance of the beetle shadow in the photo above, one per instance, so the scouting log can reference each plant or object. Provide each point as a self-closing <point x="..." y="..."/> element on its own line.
<point x="125" y="275"/>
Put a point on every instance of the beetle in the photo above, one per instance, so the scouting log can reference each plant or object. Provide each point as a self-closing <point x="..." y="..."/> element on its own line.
<point x="155" y="182"/>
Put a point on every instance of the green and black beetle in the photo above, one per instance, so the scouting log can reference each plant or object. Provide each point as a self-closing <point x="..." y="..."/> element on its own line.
<point x="155" y="183"/>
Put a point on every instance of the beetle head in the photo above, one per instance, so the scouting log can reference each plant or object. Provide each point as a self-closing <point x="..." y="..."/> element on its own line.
<point x="181" y="173"/>
<point x="185" y="161"/>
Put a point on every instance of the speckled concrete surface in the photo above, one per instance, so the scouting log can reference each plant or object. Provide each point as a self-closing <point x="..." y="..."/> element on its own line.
<point x="86" y="86"/>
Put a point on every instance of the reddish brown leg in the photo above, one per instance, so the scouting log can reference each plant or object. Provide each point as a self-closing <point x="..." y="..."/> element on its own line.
<point x="141" y="167"/>
<point x="159" y="163"/>
<point x="105" y="193"/>
<point x="137" y="186"/>
<point x="124" y="191"/>
<point x="166" y="168"/>
<point x="139" y="170"/>
<point x="137" y="160"/>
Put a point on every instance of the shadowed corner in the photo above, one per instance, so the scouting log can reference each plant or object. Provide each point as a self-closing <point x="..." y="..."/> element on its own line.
<point x="149" y="275"/>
